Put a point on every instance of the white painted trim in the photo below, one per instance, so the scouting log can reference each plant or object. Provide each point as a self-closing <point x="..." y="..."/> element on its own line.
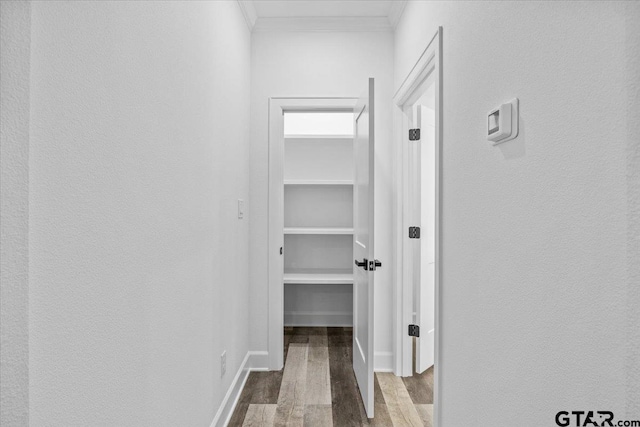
<point x="398" y="323"/>
<point x="317" y="318"/>
<point x="395" y="12"/>
<point x="323" y="24"/>
<point x="233" y="394"/>
<point x="404" y="293"/>
<point x="253" y="361"/>
<point x="249" y="12"/>
<point x="430" y="61"/>
<point x="258" y="361"/>
<point x="275" y="303"/>
<point x="438" y="255"/>
<point x="383" y="361"/>
<point x="418" y="73"/>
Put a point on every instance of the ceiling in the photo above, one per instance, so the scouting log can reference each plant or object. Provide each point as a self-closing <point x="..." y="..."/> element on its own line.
<point x="322" y="15"/>
<point x="309" y="8"/>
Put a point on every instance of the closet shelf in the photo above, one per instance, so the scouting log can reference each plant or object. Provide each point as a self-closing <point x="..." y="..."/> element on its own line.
<point x="318" y="182"/>
<point x="318" y="230"/>
<point x="318" y="277"/>
<point x="307" y="137"/>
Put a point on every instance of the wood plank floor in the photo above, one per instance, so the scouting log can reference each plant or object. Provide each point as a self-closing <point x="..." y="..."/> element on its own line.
<point x="317" y="388"/>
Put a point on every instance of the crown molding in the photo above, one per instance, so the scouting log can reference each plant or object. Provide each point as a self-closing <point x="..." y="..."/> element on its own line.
<point x="395" y="12"/>
<point x="320" y="24"/>
<point x="249" y="12"/>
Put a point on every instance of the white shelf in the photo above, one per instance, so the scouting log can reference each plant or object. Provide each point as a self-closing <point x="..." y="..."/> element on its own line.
<point x="307" y="137"/>
<point x="318" y="230"/>
<point x="318" y="182"/>
<point x="319" y="277"/>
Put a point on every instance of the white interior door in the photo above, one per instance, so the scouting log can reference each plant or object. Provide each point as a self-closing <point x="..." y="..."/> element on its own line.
<point x="365" y="263"/>
<point x="424" y="260"/>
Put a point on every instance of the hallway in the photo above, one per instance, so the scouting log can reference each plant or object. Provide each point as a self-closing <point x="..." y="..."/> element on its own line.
<point x="317" y="387"/>
<point x="160" y="226"/>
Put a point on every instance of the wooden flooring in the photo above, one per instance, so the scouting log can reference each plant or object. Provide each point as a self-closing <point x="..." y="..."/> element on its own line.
<point x="317" y="387"/>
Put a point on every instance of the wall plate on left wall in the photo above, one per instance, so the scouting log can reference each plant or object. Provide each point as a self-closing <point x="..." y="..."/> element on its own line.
<point x="240" y="209"/>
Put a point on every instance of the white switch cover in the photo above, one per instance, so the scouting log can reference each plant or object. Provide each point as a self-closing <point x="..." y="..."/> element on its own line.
<point x="240" y="208"/>
<point x="502" y="122"/>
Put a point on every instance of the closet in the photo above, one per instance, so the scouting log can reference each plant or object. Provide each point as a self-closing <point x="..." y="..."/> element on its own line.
<point x="318" y="218"/>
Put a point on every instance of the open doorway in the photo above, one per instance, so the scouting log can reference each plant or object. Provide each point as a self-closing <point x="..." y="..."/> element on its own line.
<point x="421" y="225"/>
<point x="419" y="123"/>
<point x="321" y="259"/>
<point x="420" y="214"/>
<point x="310" y="216"/>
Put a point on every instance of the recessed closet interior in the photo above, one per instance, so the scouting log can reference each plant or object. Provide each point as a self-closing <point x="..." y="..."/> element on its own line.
<point x="318" y="218"/>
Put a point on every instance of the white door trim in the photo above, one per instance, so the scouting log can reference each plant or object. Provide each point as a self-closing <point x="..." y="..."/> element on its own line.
<point x="429" y="62"/>
<point x="277" y="108"/>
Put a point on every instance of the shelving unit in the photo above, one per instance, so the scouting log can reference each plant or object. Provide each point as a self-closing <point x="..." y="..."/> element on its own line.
<point x="318" y="229"/>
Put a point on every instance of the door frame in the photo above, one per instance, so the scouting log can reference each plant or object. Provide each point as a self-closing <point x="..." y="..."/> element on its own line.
<point x="275" y="304"/>
<point x="428" y="64"/>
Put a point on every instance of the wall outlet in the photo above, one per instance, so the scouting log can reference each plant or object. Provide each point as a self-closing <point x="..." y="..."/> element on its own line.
<point x="240" y="208"/>
<point x="223" y="363"/>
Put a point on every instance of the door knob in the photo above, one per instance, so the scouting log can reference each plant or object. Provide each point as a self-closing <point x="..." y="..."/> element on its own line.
<point x="364" y="264"/>
<point x="373" y="265"/>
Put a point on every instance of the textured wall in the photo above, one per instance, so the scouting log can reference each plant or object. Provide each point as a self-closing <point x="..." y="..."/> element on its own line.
<point x="537" y="242"/>
<point x="320" y="64"/>
<point x="632" y="78"/>
<point x="15" y="22"/>
<point x="138" y="153"/>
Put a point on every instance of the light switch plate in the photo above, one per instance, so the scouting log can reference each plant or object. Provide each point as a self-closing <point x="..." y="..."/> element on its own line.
<point x="502" y="122"/>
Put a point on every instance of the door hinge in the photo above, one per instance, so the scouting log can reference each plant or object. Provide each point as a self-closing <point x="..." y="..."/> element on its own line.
<point x="414" y="232"/>
<point x="414" y="331"/>
<point x="414" y="134"/>
<point x="373" y="265"/>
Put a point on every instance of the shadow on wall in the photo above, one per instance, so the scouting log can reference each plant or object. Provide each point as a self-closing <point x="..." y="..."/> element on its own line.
<point x="515" y="148"/>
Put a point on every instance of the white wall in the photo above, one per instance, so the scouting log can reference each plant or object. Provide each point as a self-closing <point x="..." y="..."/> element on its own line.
<point x="138" y="274"/>
<point x="538" y="290"/>
<point x="320" y="64"/>
<point x="15" y="23"/>
<point x="313" y="305"/>
<point x="632" y="79"/>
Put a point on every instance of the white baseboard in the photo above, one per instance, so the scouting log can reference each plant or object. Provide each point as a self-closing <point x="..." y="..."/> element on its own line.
<point x="383" y="361"/>
<point x="253" y="361"/>
<point x="233" y="394"/>
<point x="318" y="318"/>
<point x="258" y="360"/>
